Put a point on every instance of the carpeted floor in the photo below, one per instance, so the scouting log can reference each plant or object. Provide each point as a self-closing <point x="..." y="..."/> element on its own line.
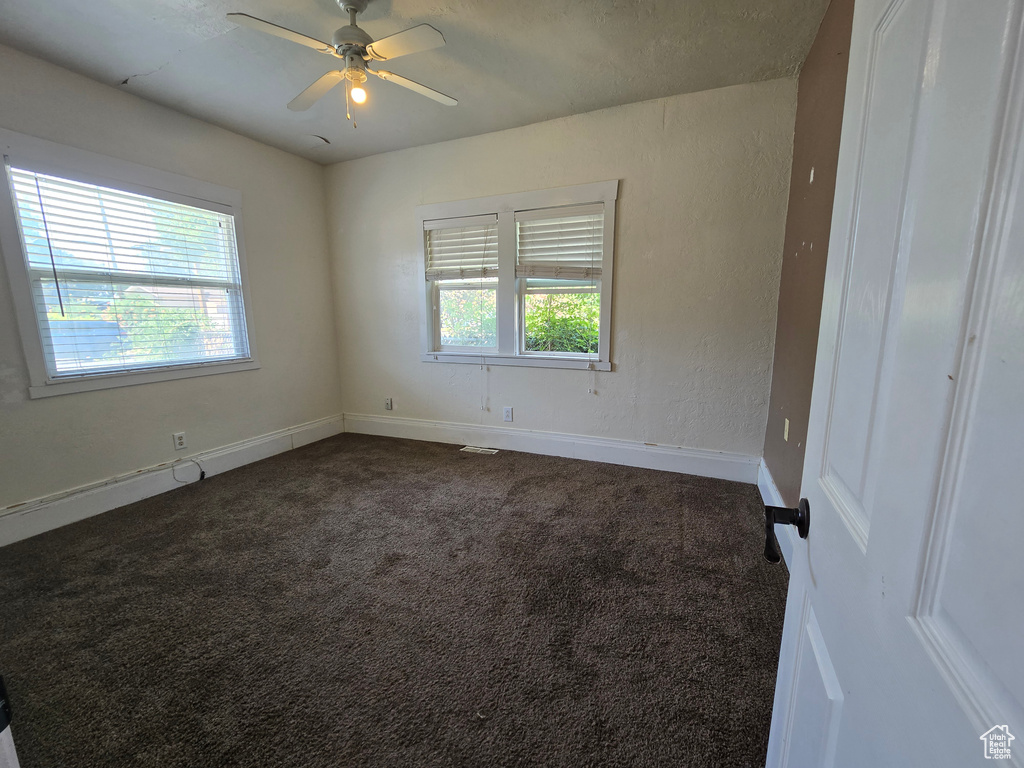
<point x="365" y="601"/>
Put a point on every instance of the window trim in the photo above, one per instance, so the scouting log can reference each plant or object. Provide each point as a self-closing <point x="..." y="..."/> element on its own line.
<point x="80" y="165"/>
<point x="505" y="206"/>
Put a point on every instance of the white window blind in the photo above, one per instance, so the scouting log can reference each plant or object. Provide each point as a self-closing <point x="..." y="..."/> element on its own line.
<point x="462" y="249"/>
<point x="564" y="243"/>
<point x="123" y="282"/>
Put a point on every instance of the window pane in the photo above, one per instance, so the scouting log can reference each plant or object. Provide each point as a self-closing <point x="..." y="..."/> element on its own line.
<point x="124" y="281"/>
<point x="468" y="312"/>
<point x="561" y="316"/>
<point x="108" y="327"/>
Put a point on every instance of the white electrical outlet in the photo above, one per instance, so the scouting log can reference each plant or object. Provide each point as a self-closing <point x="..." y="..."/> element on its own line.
<point x="387" y="404"/>
<point x="785" y="431"/>
<point x="179" y="441"/>
<point x="506" y="413"/>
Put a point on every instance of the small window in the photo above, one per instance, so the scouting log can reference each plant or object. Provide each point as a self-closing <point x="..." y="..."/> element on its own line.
<point x="468" y="313"/>
<point x="521" y="279"/>
<point x="559" y="254"/>
<point x="122" y="283"/>
<point x="462" y="268"/>
<point x="561" y="316"/>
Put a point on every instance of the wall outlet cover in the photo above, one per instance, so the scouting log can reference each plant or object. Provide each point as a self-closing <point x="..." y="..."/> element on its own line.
<point x="179" y="441"/>
<point x="506" y="413"/>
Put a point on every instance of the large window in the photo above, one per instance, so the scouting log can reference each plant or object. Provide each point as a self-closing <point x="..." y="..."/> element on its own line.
<point x="121" y="282"/>
<point x="521" y="279"/>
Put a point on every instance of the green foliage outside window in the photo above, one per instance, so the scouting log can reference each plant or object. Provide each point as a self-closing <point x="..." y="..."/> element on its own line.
<point x="148" y="329"/>
<point x="562" y="322"/>
<point x="154" y="330"/>
<point x="469" y="317"/>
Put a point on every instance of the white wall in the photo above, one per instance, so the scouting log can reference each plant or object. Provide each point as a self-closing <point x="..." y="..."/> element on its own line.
<point x="58" y="443"/>
<point x="700" y="225"/>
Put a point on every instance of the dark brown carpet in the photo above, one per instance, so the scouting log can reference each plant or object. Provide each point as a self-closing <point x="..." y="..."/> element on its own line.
<point x="373" y="602"/>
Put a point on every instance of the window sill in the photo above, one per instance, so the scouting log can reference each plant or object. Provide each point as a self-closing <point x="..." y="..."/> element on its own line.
<point x="93" y="382"/>
<point x="526" y="361"/>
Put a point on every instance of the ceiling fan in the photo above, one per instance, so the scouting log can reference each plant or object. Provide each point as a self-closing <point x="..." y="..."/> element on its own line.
<point x="352" y="44"/>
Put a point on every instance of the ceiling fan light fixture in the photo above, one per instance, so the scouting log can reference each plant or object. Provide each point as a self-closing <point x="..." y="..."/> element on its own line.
<point x="356" y="47"/>
<point x="355" y="73"/>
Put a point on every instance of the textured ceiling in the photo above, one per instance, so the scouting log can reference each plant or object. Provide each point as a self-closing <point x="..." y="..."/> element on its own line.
<point x="508" y="63"/>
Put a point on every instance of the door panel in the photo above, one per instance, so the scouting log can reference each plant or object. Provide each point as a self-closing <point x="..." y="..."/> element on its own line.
<point x="818" y="702"/>
<point x="971" y="531"/>
<point x="895" y="62"/>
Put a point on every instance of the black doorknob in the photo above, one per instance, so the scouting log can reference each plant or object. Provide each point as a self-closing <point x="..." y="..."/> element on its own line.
<point x="800" y="517"/>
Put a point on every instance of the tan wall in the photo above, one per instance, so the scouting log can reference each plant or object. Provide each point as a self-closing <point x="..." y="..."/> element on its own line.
<point x="57" y="443"/>
<point x="700" y="222"/>
<point x="819" y="116"/>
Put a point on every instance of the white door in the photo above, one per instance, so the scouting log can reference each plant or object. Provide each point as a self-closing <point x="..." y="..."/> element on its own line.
<point x="8" y="757"/>
<point x="904" y="634"/>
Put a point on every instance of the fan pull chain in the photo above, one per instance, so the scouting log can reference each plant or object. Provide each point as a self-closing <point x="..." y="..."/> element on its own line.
<point x="348" y="108"/>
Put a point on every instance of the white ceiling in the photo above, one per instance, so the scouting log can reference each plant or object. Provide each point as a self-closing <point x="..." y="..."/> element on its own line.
<point x="508" y="63"/>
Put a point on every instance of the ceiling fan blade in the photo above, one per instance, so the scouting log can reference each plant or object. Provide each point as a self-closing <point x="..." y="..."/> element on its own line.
<point x="272" y="29"/>
<point x="419" y="38"/>
<point x="315" y="92"/>
<point x="412" y="85"/>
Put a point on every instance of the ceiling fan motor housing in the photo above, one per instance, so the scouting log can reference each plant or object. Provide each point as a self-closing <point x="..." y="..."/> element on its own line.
<point x="350" y="36"/>
<point x="352" y="5"/>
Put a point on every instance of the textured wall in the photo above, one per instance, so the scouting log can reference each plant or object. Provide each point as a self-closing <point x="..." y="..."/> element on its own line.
<point x="700" y="223"/>
<point x="57" y="443"/>
<point x="819" y="117"/>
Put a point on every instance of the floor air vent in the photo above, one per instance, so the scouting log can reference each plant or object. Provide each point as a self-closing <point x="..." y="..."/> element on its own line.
<point x="474" y="449"/>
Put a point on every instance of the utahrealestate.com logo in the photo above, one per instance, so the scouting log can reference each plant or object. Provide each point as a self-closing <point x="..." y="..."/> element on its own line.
<point x="997" y="742"/>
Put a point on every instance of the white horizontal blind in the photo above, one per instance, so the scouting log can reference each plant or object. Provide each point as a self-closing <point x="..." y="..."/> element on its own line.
<point x="552" y="286"/>
<point x="124" y="282"/>
<point x="565" y="243"/>
<point x="462" y="249"/>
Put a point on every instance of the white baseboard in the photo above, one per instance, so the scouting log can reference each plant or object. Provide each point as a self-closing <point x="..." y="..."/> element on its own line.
<point x="772" y="498"/>
<point x="693" y="461"/>
<point x="766" y="485"/>
<point x="40" y="515"/>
